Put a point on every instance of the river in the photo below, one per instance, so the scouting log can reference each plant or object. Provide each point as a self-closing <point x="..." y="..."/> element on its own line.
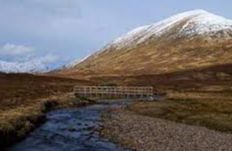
<point x="71" y="130"/>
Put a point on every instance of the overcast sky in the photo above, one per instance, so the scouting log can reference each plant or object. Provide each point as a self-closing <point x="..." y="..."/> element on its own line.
<point x="63" y="30"/>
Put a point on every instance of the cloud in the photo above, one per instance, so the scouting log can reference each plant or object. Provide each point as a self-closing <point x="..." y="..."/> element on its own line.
<point x="63" y="8"/>
<point x="15" y="50"/>
<point x="45" y="8"/>
<point x="47" y="59"/>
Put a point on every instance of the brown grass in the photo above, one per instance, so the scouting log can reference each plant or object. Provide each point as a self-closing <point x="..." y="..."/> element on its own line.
<point x="25" y="98"/>
<point x="186" y="79"/>
<point x="23" y="89"/>
<point x="202" y="96"/>
<point x="208" y="109"/>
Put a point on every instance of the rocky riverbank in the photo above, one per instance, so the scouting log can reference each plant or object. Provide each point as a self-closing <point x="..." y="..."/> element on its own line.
<point x="144" y="133"/>
<point x="71" y="130"/>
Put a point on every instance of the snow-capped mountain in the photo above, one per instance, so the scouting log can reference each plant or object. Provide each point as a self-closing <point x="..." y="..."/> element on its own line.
<point x="196" y="22"/>
<point x="35" y="64"/>
<point x="189" y="40"/>
<point x="24" y="67"/>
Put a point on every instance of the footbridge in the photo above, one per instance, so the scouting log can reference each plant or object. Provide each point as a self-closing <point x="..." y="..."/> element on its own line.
<point x="114" y="92"/>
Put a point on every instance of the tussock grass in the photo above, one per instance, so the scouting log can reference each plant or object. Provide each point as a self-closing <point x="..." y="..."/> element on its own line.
<point x="17" y="122"/>
<point x="211" y="110"/>
<point x="24" y="100"/>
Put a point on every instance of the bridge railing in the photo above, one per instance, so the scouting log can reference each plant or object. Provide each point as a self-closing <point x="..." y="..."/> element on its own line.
<point x="113" y="91"/>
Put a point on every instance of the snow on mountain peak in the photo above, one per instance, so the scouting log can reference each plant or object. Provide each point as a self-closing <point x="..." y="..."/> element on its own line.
<point x="205" y="22"/>
<point x="23" y="67"/>
<point x="34" y="65"/>
<point x="75" y="62"/>
<point x="196" y="22"/>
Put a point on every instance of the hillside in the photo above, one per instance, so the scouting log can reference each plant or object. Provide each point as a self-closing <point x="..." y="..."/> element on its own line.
<point x="24" y="100"/>
<point x="188" y="41"/>
<point x="23" y="89"/>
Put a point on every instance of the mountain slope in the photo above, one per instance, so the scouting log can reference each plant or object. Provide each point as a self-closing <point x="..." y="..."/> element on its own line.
<point x="190" y="40"/>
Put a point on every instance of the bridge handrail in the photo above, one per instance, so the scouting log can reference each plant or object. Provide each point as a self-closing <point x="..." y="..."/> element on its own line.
<point x="136" y="90"/>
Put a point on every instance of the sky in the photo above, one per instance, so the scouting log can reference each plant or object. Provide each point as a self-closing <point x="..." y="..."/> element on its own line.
<point x="59" y="31"/>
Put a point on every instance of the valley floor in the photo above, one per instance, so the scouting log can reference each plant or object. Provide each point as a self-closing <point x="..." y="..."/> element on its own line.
<point x="145" y="133"/>
<point x="193" y="120"/>
<point x="143" y="125"/>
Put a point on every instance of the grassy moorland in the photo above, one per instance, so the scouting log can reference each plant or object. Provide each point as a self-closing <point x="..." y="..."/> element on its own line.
<point x="207" y="109"/>
<point x="18" y="89"/>
<point x="24" y="100"/>
<point x="196" y="114"/>
<point x="197" y="97"/>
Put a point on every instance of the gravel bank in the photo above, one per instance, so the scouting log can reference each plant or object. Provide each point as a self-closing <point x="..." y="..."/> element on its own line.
<point x="151" y="134"/>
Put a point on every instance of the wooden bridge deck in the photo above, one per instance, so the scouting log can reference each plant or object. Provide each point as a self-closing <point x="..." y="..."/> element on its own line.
<point x="114" y="91"/>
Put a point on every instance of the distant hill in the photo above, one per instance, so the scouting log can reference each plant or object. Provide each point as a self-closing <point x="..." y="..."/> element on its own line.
<point x="23" y="67"/>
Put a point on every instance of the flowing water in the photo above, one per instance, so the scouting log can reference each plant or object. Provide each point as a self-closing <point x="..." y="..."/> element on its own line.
<point x="71" y="130"/>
